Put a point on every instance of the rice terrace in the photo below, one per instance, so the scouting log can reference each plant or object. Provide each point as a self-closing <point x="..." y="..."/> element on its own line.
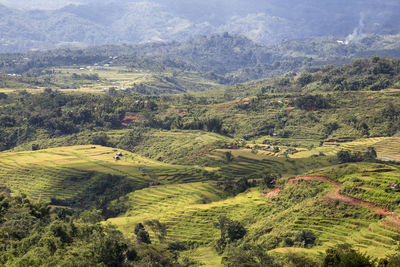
<point x="162" y="133"/>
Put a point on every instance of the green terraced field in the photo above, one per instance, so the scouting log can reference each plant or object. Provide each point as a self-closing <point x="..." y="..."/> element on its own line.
<point x="180" y="208"/>
<point x="368" y="182"/>
<point x="389" y="149"/>
<point x="189" y="204"/>
<point x="189" y="210"/>
<point x="372" y="238"/>
<point x="330" y="149"/>
<point x="118" y="76"/>
<point x="66" y="171"/>
<point x="176" y="147"/>
<point x="252" y="165"/>
<point x="181" y="147"/>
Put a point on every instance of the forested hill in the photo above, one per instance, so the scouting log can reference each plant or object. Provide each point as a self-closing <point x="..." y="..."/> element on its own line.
<point x="234" y="57"/>
<point x="78" y="22"/>
<point x="373" y="74"/>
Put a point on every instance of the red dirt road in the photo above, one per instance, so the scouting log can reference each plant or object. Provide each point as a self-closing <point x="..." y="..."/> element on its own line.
<point x="344" y="198"/>
<point x="392" y="219"/>
<point x="336" y="195"/>
<point x="356" y="202"/>
<point x="273" y="193"/>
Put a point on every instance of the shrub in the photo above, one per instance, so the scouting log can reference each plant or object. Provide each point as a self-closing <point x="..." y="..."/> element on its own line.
<point x="228" y="156"/>
<point x="35" y="147"/>
<point x="311" y="102"/>
<point x="344" y="156"/>
<point x="306" y="238"/>
<point x="298" y="260"/>
<point x="254" y="256"/>
<point x="391" y="261"/>
<point x="304" y="79"/>
<point x="269" y="180"/>
<point x="344" y="256"/>
<point x="100" y="139"/>
<point x="230" y="231"/>
<point x="143" y="237"/>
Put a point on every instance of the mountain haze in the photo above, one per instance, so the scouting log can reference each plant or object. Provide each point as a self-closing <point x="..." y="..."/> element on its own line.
<point x="27" y="25"/>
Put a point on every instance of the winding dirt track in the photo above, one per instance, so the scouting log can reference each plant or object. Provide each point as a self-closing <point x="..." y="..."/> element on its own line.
<point x="272" y="193"/>
<point x="344" y="198"/>
<point x="336" y="195"/>
<point x="391" y="218"/>
<point x="356" y="202"/>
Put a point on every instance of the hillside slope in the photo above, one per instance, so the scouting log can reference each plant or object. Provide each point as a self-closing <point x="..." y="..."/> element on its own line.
<point x="195" y="64"/>
<point x="314" y="203"/>
<point x="100" y="22"/>
<point x="86" y="176"/>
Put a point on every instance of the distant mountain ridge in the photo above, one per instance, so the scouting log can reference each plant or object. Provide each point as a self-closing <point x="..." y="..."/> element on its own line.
<point x="224" y="58"/>
<point x="82" y="23"/>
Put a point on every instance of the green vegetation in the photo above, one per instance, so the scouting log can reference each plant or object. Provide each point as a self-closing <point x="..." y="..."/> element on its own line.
<point x="33" y="235"/>
<point x="300" y="170"/>
<point x="206" y="62"/>
<point x="373" y="74"/>
<point x="87" y="177"/>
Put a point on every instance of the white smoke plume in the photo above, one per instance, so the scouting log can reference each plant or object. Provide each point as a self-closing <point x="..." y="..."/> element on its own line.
<point x="358" y="32"/>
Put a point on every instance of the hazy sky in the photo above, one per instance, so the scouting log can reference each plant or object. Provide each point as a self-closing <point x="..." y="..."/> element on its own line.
<point x="37" y="4"/>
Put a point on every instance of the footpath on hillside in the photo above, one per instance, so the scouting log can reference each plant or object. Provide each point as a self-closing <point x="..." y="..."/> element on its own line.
<point x="336" y="195"/>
